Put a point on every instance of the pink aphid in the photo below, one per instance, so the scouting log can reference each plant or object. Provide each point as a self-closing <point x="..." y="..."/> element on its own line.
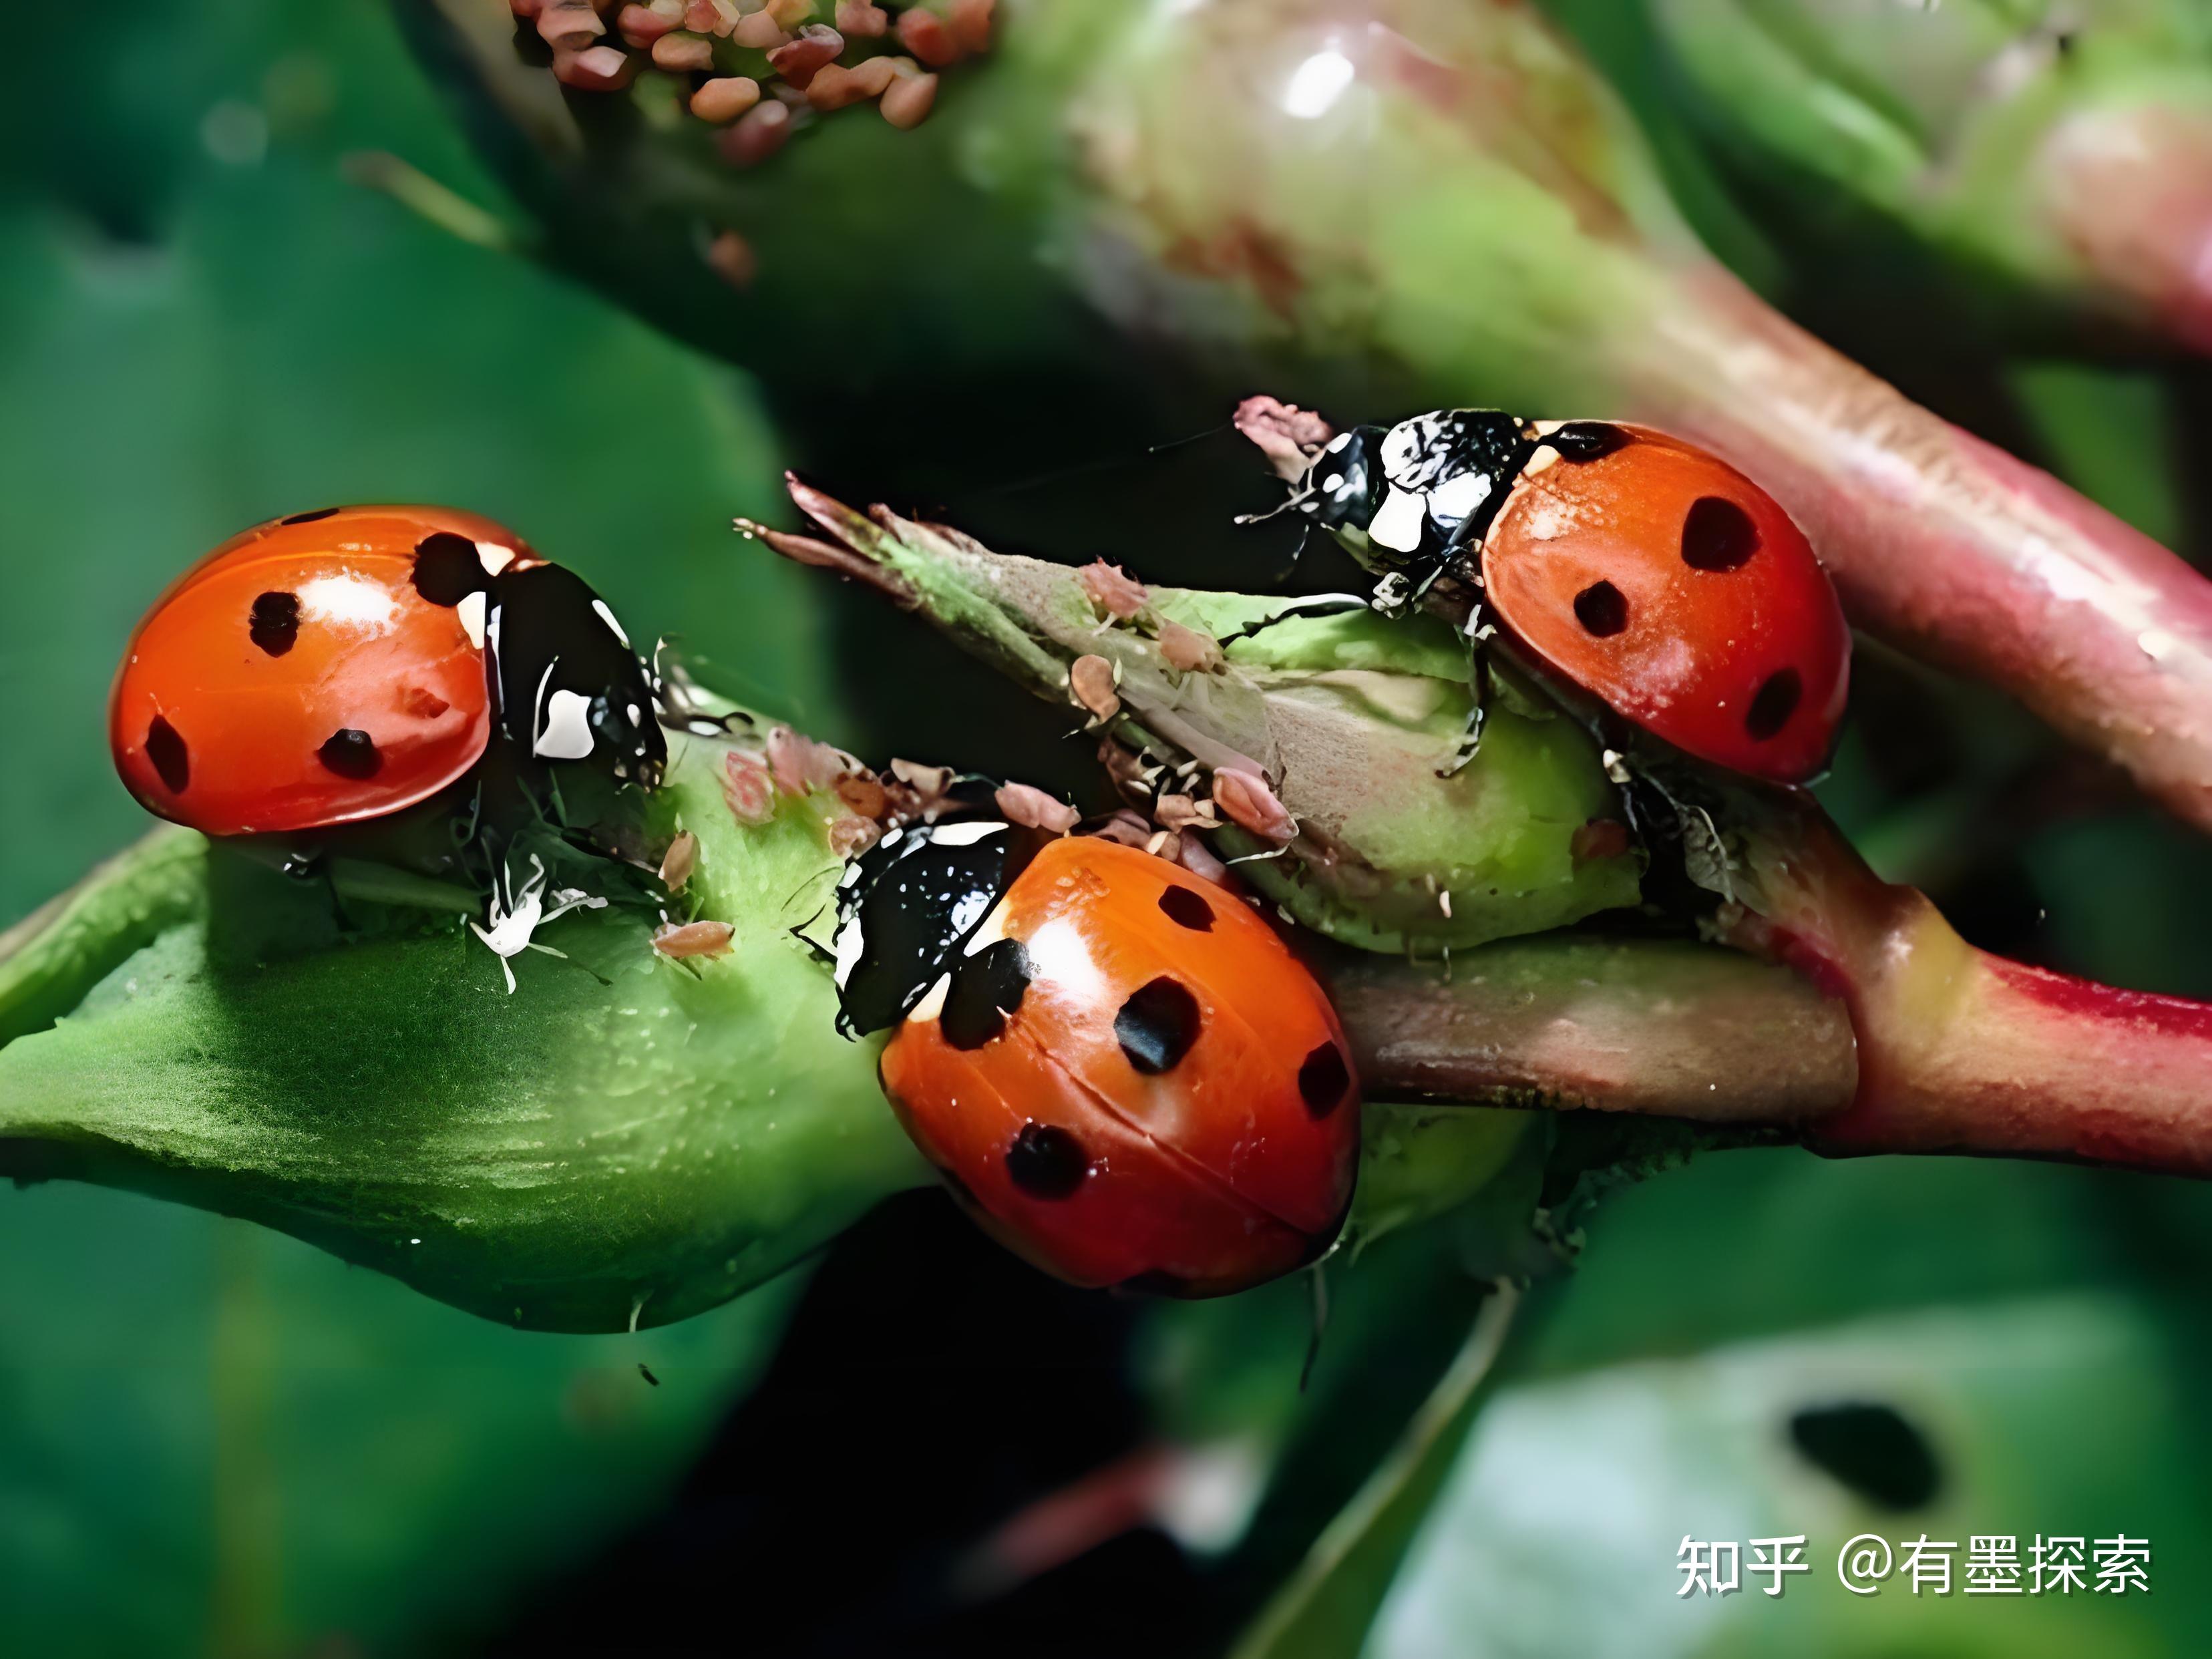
<point x="803" y="766"/>
<point x="850" y="834"/>
<point x="1113" y="590"/>
<point x="1189" y="650"/>
<point x="679" y="940"/>
<point x="747" y="787"/>
<point x="1029" y="806"/>
<point x="1245" y="800"/>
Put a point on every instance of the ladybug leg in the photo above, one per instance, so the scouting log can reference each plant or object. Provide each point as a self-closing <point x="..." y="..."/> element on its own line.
<point x="1477" y="684"/>
<point x="1470" y="739"/>
<point x="315" y="868"/>
<point x="1687" y="862"/>
<point x="1320" y="605"/>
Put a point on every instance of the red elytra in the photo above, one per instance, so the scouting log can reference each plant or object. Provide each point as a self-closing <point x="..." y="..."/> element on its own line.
<point x="1169" y="1105"/>
<point x="297" y="678"/>
<point x="1663" y="580"/>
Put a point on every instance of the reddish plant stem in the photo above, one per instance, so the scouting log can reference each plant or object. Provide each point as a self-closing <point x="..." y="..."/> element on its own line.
<point x="1960" y="1051"/>
<point x="1660" y="1027"/>
<point x="1944" y="1048"/>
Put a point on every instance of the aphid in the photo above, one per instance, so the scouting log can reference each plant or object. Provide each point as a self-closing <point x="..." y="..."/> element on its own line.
<point x="1620" y="562"/>
<point x="1116" y="1065"/>
<point x="344" y="664"/>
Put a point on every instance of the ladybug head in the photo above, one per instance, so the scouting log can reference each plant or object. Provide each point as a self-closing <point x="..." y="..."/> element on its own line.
<point x="571" y="688"/>
<point x="908" y="903"/>
<point x="1343" y="485"/>
<point x="1410" y="493"/>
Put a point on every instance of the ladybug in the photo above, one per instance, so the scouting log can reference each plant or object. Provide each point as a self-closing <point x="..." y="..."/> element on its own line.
<point x="1621" y="563"/>
<point x="344" y="664"/>
<point x="1116" y="1067"/>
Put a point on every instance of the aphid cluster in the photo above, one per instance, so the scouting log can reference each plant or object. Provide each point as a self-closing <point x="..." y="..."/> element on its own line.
<point x="760" y="69"/>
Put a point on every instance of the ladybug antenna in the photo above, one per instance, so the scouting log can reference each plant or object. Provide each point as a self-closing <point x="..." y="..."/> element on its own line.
<point x="1294" y="501"/>
<point x="1041" y="480"/>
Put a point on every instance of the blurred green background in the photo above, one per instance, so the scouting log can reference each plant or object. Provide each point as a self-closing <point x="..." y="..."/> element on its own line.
<point x="216" y="1440"/>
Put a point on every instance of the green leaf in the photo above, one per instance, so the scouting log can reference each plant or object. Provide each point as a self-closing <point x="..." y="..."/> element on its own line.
<point x="216" y="1440"/>
<point x="1559" y="1527"/>
<point x="1326" y="1607"/>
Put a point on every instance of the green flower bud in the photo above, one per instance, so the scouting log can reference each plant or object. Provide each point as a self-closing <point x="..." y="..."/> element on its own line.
<point x="624" y="1139"/>
<point x="1348" y="719"/>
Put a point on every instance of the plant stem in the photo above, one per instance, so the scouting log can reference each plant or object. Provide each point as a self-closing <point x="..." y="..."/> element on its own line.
<point x="1960" y="1051"/>
<point x="1945" y="1048"/>
<point x="1661" y="1027"/>
<point x="1377" y="203"/>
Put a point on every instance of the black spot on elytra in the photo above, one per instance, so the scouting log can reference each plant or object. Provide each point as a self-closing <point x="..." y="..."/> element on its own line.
<point x="1869" y="1447"/>
<point x="172" y="761"/>
<point x="1773" y="704"/>
<point x="985" y="987"/>
<point x="1717" y="535"/>
<point x="1587" y="441"/>
<point x="310" y="518"/>
<point x="1156" y="1025"/>
<point x="1603" y="610"/>
<point x="446" y="567"/>
<point x="1323" y="1078"/>
<point x="351" y="754"/>
<point x="1046" y="1161"/>
<point x="1186" y="909"/>
<point x="274" y="622"/>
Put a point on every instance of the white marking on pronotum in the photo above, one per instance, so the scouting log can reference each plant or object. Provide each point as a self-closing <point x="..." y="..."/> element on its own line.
<point x="989" y="932"/>
<point x="968" y="911"/>
<point x="1457" y="496"/>
<point x="964" y="835"/>
<point x="564" y="727"/>
<point x="1397" y="523"/>
<point x="932" y="1000"/>
<point x="608" y="617"/>
<point x="846" y="945"/>
<point x="490" y="625"/>
<point x="1403" y="444"/>
<point x="493" y="557"/>
<point x="472" y="612"/>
